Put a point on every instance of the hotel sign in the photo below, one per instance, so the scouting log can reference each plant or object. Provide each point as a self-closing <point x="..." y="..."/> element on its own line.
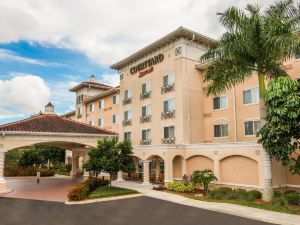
<point x="148" y="65"/>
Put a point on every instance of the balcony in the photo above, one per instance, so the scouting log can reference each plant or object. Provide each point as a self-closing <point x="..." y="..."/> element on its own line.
<point x="145" y="142"/>
<point x="168" y="115"/>
<point x="145" y="95"/>
<point x="168" y="140"/>
<point x="145" y="119"/>
<point x="168" y="88"/>
<point x="126" y="123"/>
<point x="126" y="101"/>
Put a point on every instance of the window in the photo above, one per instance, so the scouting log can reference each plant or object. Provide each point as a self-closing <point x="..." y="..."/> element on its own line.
<point x="169" y="105"/>
<point x="251" y="127"/>
<point x="220" y="102"/>
<point x="116" y="99"/>
<point x="146" y="110"/>
<point x="169" y="132"/>
<point x="101" y="122"/>
<point x="146" y="134"/>
<point x="221" y="130"/>
<point x="168" y="80"/>
<point x="127" y="115"/>
<point x="101" y="104"/>
<point x="91" y="122"/>
<point x="79" y="99"/>
<point x="251" y="96"/>
<point x="146" y="87"/>
<point x="79" y="111"/>
<point x="115" y="118"/>
<point x="128" y="94"/>
<point x="91" y="106"/>
<point x="127" y="136"/>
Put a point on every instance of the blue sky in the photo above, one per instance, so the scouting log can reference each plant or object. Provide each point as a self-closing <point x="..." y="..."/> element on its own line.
<point x="48" y="46"/>
<point x="59" y="68"/>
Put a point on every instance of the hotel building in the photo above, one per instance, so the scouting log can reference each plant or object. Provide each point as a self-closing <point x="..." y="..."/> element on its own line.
<point x="175" y="128"/>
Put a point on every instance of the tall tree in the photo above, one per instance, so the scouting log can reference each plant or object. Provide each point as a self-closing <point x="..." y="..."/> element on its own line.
<point x="255" y="43"/>
<point x="280" y="136"/>
<point x="110" y="156"/>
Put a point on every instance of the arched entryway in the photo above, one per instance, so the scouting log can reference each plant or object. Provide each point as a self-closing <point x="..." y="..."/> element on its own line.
<point x="50" y="129"/>
<point x="178" y="166"/>
<point x="156" y="169"/>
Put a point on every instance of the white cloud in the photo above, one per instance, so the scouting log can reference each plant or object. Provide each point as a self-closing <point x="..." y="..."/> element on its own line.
<point x="26" y="94"/>
<point x="11" y="56"/>
<point x="107" y="31"/>
<point x="5" y="114"/>
<point x="110" y="79"/>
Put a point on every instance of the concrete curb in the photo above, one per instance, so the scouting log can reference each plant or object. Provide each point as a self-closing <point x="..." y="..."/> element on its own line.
<point x="227" y="208"/>
<point x="102" y="199"/>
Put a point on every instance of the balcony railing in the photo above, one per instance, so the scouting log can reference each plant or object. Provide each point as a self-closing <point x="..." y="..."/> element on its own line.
<point x="126" y="101"/>
<point x="168" y="88"/>
<point x="145" y="95"/>
<point x="145" y="142"/>
<point x="167" y="115"/>
<point x="168" y="140"/>
<point x="126" y="123"/>
<point x="145" y="119"/>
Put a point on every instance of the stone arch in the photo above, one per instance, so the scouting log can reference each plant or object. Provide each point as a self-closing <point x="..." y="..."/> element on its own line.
<point x="178" y="166"/>
<point x="247" y="168"/>
<point x="198" y="162"/>
<point x="156" y="168"/>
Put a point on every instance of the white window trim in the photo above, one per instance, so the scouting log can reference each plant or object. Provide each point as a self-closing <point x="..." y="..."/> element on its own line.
<point x="221" y="109"/>
<point x="250" y="120"/>
<point x="251" y="96"/>
<point x="223" y="136"/>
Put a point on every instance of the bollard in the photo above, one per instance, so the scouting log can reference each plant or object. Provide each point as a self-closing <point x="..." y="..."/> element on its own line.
<point x="38" y="174"/>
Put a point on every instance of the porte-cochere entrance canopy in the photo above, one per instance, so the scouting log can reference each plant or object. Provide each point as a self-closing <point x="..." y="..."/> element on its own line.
<point x="49" y="129"/>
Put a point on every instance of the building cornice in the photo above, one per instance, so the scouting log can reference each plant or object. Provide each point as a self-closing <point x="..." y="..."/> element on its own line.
<point x="178" y="33"/>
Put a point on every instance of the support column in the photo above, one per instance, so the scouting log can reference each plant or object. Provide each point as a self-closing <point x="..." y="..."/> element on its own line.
<point x="86" y="174"/>
<point x="146" y="174"/>
<point x="3" y="184"/>
<point x="74" y="166"/>
<point x="267" y="179"/>
<point x="120" y="176"/>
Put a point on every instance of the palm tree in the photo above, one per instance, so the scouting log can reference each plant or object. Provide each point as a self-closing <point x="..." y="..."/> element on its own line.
<point x="256" y="43"/>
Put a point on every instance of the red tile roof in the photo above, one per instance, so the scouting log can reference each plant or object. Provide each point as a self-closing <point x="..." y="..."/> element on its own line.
<point x="52" y="123"/>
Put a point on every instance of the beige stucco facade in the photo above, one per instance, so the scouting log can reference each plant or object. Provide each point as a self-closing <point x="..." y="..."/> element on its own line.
<point x="190" y="132"/>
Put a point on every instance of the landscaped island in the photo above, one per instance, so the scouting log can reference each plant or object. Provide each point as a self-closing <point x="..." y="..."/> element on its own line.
<point x="94" y="188"/>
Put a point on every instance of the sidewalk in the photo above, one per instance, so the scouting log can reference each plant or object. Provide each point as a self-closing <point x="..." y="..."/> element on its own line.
<point x="237" y="210"/>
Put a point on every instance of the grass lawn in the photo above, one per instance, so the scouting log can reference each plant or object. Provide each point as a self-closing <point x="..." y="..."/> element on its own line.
<point x="106" y="191"/>
<point x="259" y="205"/>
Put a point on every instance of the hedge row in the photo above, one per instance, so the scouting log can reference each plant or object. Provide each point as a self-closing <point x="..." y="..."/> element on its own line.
<point x="82" y="190"/>
<point x="225" y="193"/>
<point x="27" y="171"/>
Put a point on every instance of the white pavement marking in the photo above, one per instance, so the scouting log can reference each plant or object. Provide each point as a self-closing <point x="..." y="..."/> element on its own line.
<point x="232" y="209"/>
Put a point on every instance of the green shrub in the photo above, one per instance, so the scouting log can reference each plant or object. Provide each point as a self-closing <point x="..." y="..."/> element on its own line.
<point x="292" y="197"/>
<point x="254" y="194"/>
<point x="180" y="186"/>
<point x="27" y="171"/>
<point x="79" y="192"/>
<point x="82" y="190"/>
<point x="279" y="200"/>
<point x="241" y="194"/>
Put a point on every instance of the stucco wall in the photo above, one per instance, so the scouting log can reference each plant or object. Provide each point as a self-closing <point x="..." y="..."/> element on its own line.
<point x="198" y="163"/>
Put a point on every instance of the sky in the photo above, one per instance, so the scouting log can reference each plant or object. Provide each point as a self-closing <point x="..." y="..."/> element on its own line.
<point x="49" y="46"/>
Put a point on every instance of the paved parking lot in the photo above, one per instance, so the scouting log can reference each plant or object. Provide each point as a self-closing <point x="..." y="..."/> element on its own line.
<point x="49" y="188"/>
<point x="134" y="211"/>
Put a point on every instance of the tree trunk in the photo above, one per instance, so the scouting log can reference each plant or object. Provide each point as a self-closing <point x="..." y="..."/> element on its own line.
<point x="266" y="160"/>
<point x="110" y="178"/>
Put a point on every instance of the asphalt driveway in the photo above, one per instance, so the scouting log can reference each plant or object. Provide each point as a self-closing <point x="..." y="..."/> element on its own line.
<point x="133" y="211"/>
